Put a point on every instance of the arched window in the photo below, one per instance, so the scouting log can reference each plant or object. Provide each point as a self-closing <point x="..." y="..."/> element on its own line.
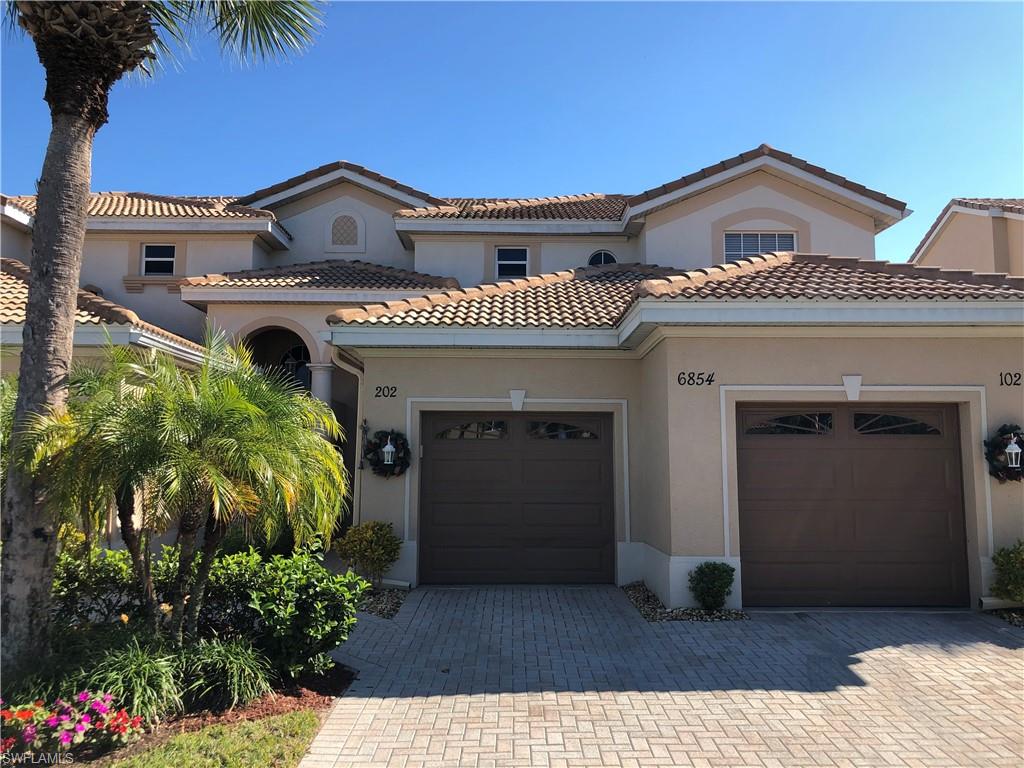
<point x="600" y="258"/>
<point x="345" y="233"/>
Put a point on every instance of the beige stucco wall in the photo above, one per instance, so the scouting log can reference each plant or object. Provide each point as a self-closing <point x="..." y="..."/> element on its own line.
<point x="308" y="220"/>
<point x="682" y="495"/>
<point x="979" y="242"/>
<point x="15" y="243"/>
<point x="689" y="234"/>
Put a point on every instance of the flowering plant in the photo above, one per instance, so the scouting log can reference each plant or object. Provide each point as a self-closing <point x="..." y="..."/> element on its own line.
<point x="90" y="719"/>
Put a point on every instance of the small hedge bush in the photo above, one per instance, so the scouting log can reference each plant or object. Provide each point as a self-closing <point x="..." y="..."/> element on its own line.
<point x="1009" y="565"/>
<point x="711" y="584"/>
<point x="306" y="612"/>
<point x="372" y="548"/>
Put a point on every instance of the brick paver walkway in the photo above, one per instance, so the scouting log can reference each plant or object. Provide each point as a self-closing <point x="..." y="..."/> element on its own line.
<point x="563" y="676"/>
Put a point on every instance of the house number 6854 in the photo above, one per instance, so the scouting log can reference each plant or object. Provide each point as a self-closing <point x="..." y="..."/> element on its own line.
<point x="695" y="378"/>
<point x="385" y="391"/>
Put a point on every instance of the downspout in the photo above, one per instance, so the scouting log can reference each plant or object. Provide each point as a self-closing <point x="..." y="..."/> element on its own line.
<point x="357" y="473"/>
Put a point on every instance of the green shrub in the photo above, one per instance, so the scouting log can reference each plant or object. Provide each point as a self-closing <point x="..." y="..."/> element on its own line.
<point x="372" y="547"/>
<point x="711" y="583"/>
<point x="1009" y="565"/>
<point x="306" y="612"/>
<point x="94" y="587"/>
<point x="227" y="608"/>
<point x="144" y="677"/>
<point x="223" y="674"/>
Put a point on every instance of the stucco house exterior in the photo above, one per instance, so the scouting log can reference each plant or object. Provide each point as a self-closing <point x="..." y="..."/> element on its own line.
<point x="614" y="387"/>
<point x="976" y="233"/>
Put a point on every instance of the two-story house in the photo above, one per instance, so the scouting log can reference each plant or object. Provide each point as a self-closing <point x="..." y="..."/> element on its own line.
<point x="613" y="387"/>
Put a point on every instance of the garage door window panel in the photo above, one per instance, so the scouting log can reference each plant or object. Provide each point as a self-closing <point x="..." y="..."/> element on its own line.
<point x="475" y="430"/>
<point x="555" y="430"/>
<point x="807" y="424"/>
<point x="892" y="424"/>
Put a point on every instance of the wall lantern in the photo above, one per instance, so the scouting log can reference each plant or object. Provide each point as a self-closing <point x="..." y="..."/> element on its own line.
<point x="1013" y="451"/>
<point x="389" y="453"/>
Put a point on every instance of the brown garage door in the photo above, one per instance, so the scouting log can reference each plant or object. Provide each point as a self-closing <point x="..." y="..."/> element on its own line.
<point x="516" y="498"/>
<point x="851" y="505"/>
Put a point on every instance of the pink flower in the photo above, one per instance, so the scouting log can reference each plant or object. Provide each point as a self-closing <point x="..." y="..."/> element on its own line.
<point x="28" y="735"/>
<point x="79" y="728"/>
<point x="52" y="721"/>
<point x="65" y="737"/>
<point x="86" y="718"/>
<point x="100" y="707"/>
<point x="84" y="696"/>
<point x="107" y="698"/>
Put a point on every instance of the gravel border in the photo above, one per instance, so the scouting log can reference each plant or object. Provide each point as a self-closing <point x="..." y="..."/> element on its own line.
<point x="1012" y="616"/>
<point x="652" y="609"/>
<point x="384" y="602"/>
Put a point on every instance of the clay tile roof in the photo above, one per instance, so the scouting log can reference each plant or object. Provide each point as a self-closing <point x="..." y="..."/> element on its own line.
<point x="336" y="274"/>
<point x="598" y="297"/>
<point x="166" y="206"/>
<point x="820" y="277"/>
<point x="588" y="297"/>
<point x="92" y="309"/>
<point x="1005" y="204"/>
<point x="765" y="151"/>
<point x="338" y="165"/>
<point x="590" y="206"/>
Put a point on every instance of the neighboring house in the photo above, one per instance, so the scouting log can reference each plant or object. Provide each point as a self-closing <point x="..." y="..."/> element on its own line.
<point x="605" y="388"/>
<point x="980" y="234"/>
<point x="97" y="323"/>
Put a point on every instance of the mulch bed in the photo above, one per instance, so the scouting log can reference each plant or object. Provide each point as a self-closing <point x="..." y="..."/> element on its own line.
<point x="1013" y="616"/>
<point x="312" y="692"/>
<point x="652" y="609"/>
<point x="384" y="602"/>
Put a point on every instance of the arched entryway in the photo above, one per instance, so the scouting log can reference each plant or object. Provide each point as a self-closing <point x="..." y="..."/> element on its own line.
<point x="282" y="348"/>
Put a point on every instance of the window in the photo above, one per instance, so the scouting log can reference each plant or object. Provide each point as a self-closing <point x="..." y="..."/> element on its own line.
<point x="740" y="244"/>
<point x="345" y="233"/>
<point x="600" y="258"/>
<point x="556" y="430"/>
<point x="158" y="259"/>
<point x="475" y="430"/>
<point x="891" y="424"/>
<point x="792" y="424"/>
<point x="511" y="262"/>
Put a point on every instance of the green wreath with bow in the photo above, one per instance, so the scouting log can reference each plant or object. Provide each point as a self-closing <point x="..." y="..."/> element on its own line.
<point x="995" y="454"/>
<point x="373" y="453"/>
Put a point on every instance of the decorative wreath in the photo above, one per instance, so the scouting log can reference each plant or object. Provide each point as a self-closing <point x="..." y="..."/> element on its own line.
<point x="995" y="454"/>
<point x="373" y="453"/>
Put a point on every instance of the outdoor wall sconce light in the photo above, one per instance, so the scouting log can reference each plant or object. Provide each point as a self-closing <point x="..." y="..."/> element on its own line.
<point x="1013" y="451"/>
<point x="389" y="453"/>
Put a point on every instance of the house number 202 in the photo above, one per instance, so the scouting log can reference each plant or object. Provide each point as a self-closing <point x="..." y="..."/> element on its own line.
<point x="385" y="391"/>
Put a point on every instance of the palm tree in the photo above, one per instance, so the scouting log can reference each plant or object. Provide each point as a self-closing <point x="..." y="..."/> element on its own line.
<point x="86" y="47"/>
<point x="226" y="443"/>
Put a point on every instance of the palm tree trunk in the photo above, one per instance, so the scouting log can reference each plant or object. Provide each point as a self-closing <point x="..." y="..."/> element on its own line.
<point x="212" y="537"/>
<point x="188" y="526"/>
<point x="133" y="543"/>
<point x="58" y="236"/>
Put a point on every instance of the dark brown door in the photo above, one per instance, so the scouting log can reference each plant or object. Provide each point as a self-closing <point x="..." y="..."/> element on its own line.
<point x="516" y="498"/>
<point x="853" y="504"/>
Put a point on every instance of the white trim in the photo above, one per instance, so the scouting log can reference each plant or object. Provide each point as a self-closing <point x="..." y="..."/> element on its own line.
<point x="17" y="216"/>
<point x="267" y="229"/>
<point x="341" y="174"/>
<point x="99" y="335"/>
<point x="765" y="161"/>
<point x="839" y="390"/>
<point x="938" y="226"/>
<point x="647" y="313"/>
<point x="457" y="403"/>
<point x="211" y="294"/>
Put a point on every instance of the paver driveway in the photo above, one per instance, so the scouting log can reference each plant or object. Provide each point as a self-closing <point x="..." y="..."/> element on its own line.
<point x="564" y="676"/>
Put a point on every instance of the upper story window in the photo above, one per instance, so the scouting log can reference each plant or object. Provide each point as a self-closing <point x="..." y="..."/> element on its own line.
<point x="346" y="233"/>
<point x="599" y="258"/>
<point x="157" y="259"/>
<point x="511" y="262"/>
<point x="740" y="244"/>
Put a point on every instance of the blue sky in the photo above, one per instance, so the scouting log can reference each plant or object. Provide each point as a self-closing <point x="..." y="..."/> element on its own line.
<point x="920" y="101"/>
